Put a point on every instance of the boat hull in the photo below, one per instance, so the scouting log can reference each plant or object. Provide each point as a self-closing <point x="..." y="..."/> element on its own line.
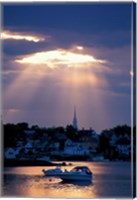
<point x="68" y="177"/>
<point x="73" y="177"/>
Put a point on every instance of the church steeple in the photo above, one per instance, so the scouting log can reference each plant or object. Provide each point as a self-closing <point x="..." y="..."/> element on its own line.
<point x="75" y="119"/>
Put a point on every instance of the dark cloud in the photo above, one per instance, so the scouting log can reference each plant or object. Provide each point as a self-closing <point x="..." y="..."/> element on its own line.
<point x="82" y="17"/>
<point x="65" y="39"/>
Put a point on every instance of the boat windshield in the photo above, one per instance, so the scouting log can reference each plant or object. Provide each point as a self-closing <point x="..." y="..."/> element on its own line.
<point x="81" y="169"/>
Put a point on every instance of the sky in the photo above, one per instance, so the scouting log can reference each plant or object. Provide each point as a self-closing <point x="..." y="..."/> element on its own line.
<point x="57" y="56"/>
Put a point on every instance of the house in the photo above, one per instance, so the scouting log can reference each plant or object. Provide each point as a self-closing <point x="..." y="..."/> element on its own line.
<point x="54" y="146"/>
<point x="89" y="139"/>
<point x="114" y="138"/>
<point x="59" y="136"/>
<point x="17" y="150"/>
<point x="75" y="148"/>
<point x="40" y="144"/>
<point x="9" y="153"/>
<point x="123" y="149"/>
<point x="28" y="147"/>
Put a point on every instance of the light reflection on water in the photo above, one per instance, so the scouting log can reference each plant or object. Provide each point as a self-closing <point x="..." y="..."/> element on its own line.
<point x="110" y="179"/>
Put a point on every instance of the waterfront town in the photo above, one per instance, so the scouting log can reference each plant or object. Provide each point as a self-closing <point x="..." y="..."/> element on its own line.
<point x="22" y="142"/>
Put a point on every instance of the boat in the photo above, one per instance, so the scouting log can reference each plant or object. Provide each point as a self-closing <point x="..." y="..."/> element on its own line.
<point x="79" y="173"/>
<point x="53" y="172"/>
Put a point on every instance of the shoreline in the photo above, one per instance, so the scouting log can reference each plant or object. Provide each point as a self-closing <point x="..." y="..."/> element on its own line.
<point x="25" y="163"/>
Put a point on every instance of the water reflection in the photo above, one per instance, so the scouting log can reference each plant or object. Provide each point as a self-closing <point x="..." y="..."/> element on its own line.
<point x="78" y="183"/>
<point x="110" y="180"/>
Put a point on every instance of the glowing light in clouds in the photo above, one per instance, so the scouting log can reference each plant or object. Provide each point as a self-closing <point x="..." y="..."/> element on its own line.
<point x="80" y="47"/>
<point x="59" y="57"/>
<point x="20" y="36"/>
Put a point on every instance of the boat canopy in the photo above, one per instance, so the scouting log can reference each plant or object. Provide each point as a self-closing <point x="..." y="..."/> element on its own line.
<point x="82" y="169"/>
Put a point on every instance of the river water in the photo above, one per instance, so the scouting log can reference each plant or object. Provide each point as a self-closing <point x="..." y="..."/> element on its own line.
<point x="110" y="180"/>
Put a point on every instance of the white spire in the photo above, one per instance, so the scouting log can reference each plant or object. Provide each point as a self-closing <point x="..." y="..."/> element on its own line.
<point x="75" y="119"/>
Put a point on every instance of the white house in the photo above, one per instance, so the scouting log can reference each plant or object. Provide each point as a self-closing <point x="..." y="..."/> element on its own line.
<point x="74" y="148"/>
<point x="123" y="149"/>
<point x="10" y="153"/>
<point x="28" y="145"/>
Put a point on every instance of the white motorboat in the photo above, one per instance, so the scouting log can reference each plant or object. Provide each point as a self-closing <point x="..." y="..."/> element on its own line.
<point x="80" y="173"/>
<point x="53" y="172"/>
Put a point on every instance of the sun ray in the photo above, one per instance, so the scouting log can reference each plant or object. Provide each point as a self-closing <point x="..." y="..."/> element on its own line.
<point x="69" y="76"/>
<point x="22" y="90"/>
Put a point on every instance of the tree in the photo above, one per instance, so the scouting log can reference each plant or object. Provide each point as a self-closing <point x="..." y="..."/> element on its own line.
<point x="104" y="141"/>
<point x="23" y="125"/>
<point x="121" y="130"/>
<point x="11" y="133"/>
<point x="71" y="132"/>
